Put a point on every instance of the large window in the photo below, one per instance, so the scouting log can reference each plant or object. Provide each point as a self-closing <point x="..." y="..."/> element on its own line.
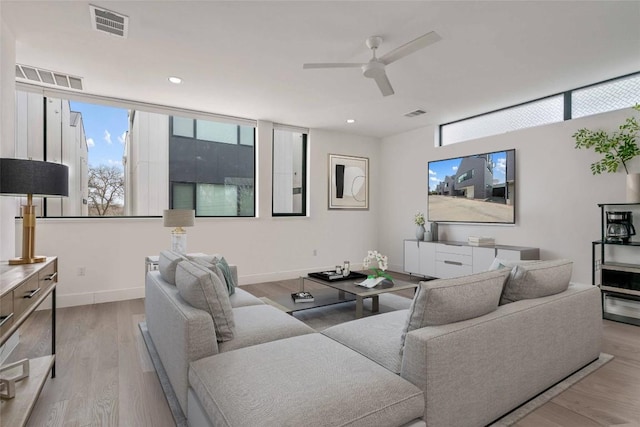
<point x="215" y="166"/>
<point x="289" y="171"/>
<point x="125" y="161"/>
<point x="601" y="97"/>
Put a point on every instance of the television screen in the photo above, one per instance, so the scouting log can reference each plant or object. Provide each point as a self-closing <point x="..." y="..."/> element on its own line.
<point x="477" y="189"/>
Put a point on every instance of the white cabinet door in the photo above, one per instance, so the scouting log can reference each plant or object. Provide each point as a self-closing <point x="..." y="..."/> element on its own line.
<point x="411" y="257"/>
<point x="428" y="259"/>
<point x="482" y="258"/>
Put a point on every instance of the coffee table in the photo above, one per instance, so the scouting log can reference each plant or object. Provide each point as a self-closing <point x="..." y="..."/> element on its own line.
<point x="347" y="291"/>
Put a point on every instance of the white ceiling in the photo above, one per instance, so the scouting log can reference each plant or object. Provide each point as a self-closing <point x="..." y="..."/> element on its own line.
<point x="245" y="58"/>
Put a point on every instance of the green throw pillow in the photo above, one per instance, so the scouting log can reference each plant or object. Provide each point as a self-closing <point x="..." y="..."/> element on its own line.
<point x="228" y="277"/>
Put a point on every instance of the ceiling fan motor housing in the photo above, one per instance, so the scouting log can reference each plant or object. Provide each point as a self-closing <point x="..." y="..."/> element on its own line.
<point x="372" y="69"/>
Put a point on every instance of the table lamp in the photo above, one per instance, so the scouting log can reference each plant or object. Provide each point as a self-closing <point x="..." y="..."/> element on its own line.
<point x="19" y="177"/>
<point x="179" y="218"/>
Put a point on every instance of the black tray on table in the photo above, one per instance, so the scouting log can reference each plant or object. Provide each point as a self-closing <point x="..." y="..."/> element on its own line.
<point x="331" y="276"/>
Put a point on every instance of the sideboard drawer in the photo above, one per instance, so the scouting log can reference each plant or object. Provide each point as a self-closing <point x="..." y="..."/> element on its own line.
<point x="454" y="258"/>
<point x="25" y="295"/>
<point x="6" y="313"/>
<point x="454" y="249"/>
<point x="448" y="269"/>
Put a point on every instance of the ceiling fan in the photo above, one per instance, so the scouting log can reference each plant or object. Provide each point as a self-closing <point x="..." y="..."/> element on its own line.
<point x="374" y="69"/>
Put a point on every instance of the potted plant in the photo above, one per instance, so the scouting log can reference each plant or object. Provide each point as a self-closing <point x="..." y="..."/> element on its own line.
<point x="419" y="220"/>
<point x="618" y="149"/>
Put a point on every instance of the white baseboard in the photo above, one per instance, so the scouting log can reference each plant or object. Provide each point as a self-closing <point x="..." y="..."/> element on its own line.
<point x="71" y="300"/>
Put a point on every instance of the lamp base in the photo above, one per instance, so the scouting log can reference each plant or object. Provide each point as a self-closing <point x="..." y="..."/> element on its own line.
<point x="179" y="242"/>
<point x="31" y="260"/>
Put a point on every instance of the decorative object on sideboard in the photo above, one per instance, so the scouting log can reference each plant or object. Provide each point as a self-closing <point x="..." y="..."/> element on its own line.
<point x="178" y="218"/>
<point x="618" y="148"/>
<point x="419" y="220"/>
<point x="19" y="177"/>
<point x="9" y="375"/>
<point x="480" y="241"/>
<point x="434" y="231"/>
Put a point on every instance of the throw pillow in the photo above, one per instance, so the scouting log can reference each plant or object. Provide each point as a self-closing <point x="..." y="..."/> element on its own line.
<point x="443" y="301"/>
<point x="508" y="263"/>
<point x="203" y="289"/>
<point x="211" y="266"/>
<point x="167" y="264"/>
<point x="226" y="271"/>
<point x="211" y="259"/>
<point x="537" y="280"/>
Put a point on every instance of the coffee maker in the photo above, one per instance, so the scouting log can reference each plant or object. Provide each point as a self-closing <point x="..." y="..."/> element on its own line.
<point x="619" y="227"/>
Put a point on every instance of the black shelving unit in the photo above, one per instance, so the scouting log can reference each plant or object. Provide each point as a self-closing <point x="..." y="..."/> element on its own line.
<point x="618" y="280"/>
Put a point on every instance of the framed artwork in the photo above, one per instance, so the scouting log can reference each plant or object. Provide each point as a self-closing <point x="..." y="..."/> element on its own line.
<point x="348" y="182"/>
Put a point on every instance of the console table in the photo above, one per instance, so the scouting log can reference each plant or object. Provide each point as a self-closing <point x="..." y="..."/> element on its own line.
<point x="444" y="259"/>
<point x="22" y="289"/>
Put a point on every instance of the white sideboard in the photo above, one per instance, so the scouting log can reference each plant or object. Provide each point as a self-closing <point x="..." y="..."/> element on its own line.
<point x="453" y="259"/>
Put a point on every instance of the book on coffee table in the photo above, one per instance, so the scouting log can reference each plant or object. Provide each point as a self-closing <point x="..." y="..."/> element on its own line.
<point x="302" y="297"/>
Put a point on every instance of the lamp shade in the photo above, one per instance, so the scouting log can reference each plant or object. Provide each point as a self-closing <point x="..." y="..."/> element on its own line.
<point x="20" y="177"/>
<point x="178" y="217"/>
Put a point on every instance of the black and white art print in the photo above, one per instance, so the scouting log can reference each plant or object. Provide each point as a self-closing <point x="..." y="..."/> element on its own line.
<point x="348" y="182"/>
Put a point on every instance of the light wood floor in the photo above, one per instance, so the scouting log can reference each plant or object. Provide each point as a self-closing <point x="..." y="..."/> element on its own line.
<point x="105" y="377"/>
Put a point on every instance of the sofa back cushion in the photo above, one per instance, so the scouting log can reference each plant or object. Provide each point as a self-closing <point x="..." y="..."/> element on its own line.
<point x="203" y="289"/>
<point x="167" y="264"/>
<point x="444" y="301"/>
<point x="219" y="266"/>
<point x="538" y="279"/>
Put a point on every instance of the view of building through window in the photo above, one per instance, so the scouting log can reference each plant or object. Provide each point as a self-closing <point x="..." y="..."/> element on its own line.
<point x="136" y="163"/>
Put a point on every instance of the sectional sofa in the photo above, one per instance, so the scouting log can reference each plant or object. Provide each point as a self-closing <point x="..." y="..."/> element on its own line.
<point x="455" y="357"/>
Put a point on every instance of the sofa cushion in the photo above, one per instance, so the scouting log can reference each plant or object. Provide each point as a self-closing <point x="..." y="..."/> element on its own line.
<point x="210" y="266"/>
<point x="308" y="380"/>
<point x="242" y="298"/>
<point x="377" y="337"/>
<point x="167" y="264"/>
<point x="203" y="289"/>
<point x="263" y="323"/>
<point x="535" y="280"/>
<point x="443" y="301"/>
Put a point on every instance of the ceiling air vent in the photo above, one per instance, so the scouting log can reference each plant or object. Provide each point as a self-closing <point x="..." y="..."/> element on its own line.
<point x="53" y="78"/>
<point x="415" y="113"/>
<point x="109" y="22"/>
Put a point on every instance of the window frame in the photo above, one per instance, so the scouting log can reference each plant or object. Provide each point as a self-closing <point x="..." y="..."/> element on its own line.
<point x="305" y="148"/>
<point x="46" y="92"/>
<point x="567" y="106"/>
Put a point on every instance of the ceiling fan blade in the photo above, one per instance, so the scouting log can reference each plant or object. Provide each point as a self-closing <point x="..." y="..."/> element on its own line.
<point x="384" y="84"/>
<point x="410" y="47"/>
<point x="331" y="65"/>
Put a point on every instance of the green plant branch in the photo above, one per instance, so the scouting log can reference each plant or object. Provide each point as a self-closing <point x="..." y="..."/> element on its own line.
<point x="618" y="147"/>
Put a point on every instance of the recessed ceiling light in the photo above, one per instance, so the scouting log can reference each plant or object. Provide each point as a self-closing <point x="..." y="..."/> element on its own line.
<point x="351" y="121"/>
<point x="175" y="80"/>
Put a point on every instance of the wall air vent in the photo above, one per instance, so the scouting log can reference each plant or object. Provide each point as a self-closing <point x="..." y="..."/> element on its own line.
<point x="415" y="113"/>
<point x="54" y="78"/>
<point x="109" y="22"/>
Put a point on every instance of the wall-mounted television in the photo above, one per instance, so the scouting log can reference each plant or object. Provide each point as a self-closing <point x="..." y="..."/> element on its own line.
<point x="479" y="188"/>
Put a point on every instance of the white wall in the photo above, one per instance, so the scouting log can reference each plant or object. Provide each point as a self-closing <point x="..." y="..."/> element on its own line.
<point x="556" y="194"/>
<point x="7" y="126"/>
<point x="112" y="250"/>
